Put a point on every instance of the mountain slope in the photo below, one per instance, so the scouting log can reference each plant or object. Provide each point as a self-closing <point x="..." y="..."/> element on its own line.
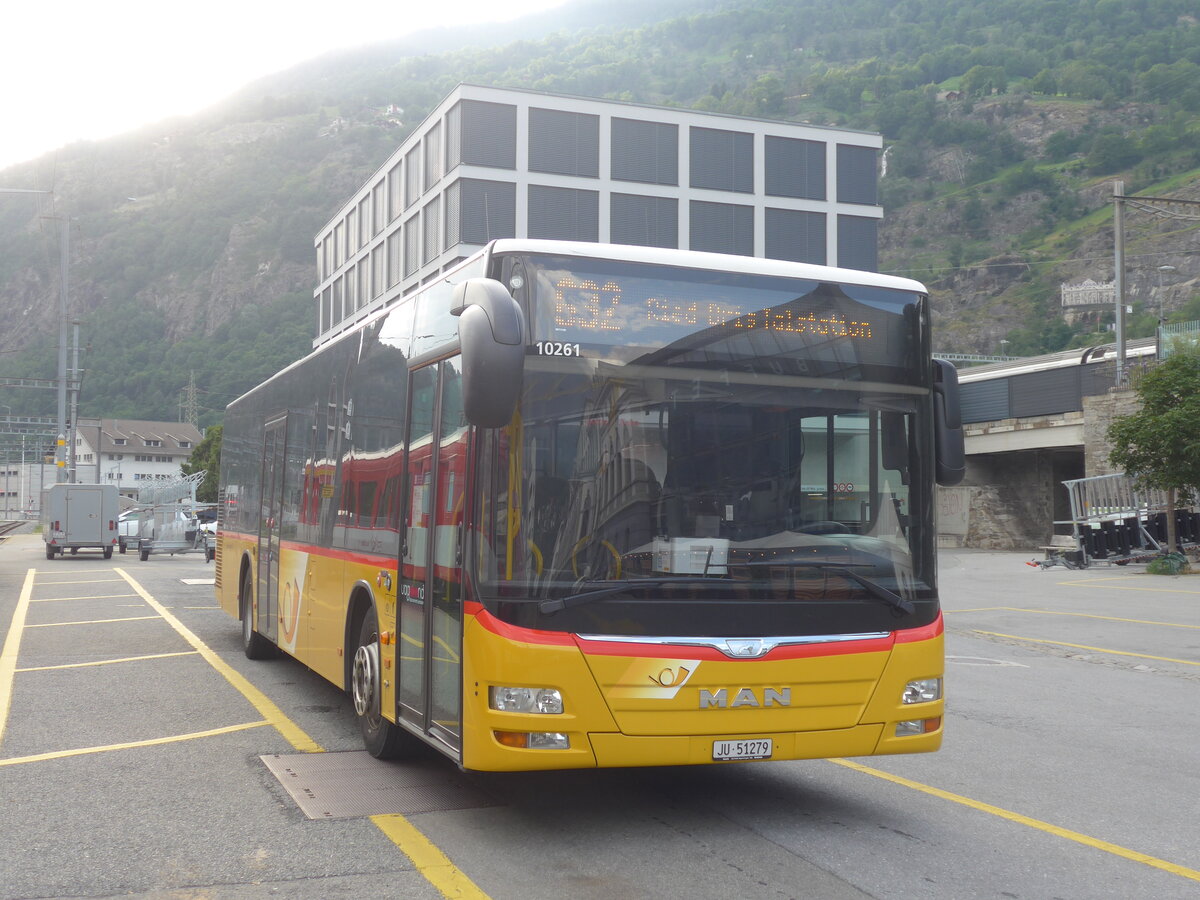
<point x="1005" y="123"/>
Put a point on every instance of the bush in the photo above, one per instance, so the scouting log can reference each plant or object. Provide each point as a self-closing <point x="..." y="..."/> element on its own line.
<point x="1168" y="564"/>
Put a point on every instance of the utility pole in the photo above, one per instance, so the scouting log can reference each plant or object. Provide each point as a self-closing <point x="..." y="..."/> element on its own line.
<point x="74" y="405"/>
<point x="1162" y="207"/>
<point x="1119" y="274"/>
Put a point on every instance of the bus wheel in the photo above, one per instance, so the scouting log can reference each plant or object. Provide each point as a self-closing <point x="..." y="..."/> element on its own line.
<point x="254" y="645"/>
<point x="382" y="739"/>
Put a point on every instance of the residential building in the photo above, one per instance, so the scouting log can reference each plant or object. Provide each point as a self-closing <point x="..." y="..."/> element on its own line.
<point x="129" y="453"/>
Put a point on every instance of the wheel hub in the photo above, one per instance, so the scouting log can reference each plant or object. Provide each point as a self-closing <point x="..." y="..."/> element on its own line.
<point x="365" y="678"/>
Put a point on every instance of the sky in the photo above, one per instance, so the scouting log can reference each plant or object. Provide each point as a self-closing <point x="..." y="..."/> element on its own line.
<point x="84" y="70"/>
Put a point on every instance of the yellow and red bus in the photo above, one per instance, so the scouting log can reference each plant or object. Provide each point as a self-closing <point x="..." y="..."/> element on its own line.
<point x="578" y="505"/>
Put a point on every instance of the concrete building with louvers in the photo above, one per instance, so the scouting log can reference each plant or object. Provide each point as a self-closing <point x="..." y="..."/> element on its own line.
<point x="492" y="163"/>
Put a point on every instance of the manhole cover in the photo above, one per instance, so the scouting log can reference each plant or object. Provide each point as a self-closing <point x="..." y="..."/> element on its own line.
<point x="351" y="784"/>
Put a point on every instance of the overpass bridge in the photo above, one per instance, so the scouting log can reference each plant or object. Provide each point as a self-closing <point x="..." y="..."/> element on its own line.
<point x="1029" y="425"/>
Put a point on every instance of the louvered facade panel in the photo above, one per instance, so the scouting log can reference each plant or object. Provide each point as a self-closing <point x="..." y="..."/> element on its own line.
<point x="454" y="136"/>
<point x="644" y="221"/>
<point x="488" y="211"/>
<point x="794" y="168"/>
<point x="412" y="176"/>
<point x="857" y="174"/>
<point x="433" y="156"/>
<point x="722" y="227"/>
<point x="431" y="223"/>
<point x="645" y="151"/>
<point x="489" y="134"/>
<point x="412" y="245"/>
<point x="564" y="143"/>
<point x="722" y="160"/>
<point x="453" y="213"/>
<point x="858" y="243"/>
<point x="795" y="235"/>
<point x="564" y="214"/>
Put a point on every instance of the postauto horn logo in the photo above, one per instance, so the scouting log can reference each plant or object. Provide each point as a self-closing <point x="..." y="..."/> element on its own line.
<point x="649" y="679"/>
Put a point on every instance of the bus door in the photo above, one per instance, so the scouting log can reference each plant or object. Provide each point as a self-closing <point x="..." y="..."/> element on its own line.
<point x="431" y="621"/>
<point x="274" y="447"/>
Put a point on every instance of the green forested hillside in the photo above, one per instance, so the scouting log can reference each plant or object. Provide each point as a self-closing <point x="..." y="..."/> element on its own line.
<point x="1005" y="123"/>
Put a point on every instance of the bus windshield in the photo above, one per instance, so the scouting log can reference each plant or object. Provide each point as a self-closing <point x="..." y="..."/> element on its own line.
<point x="710" y="453"/>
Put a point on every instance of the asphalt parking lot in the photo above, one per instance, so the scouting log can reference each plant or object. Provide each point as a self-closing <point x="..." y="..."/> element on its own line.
<point x="133" y="734"/>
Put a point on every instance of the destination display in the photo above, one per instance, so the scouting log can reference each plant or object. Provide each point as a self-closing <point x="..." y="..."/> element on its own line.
<point x="584" y="305"/>
<point x="657" y="306"/>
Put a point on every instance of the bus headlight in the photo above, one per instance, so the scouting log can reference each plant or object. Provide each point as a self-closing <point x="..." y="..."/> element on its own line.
<point x="525" y="700"/>
<point x="922" y="690"/>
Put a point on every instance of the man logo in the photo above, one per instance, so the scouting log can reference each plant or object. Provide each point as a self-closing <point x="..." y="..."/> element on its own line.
<point x="745" y="697"/>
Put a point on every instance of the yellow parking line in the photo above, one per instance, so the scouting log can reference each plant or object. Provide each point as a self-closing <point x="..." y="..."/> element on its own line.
<point x="1086" y="840"/>
<point x="1015" y="637"/>
<point x="108" y="662"/>
<point x="152" y="742"/>
<point x="291" y="732"/>
<point x="1099" y="582"/>
<point x="427" y="858"/>
<point x="1079" y="615"/>
<point x="12" y="646"/>
<point x="434" y="865"/>
<point x="91" y="622"/>
<point x="84" y="597"/>
<point x="85" y="581"/>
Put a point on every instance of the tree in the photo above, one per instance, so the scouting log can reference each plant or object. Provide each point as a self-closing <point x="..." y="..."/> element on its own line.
<point x="980" y="81"/>
<point x="207" y="457"/>
<point x="1159" y="446"/>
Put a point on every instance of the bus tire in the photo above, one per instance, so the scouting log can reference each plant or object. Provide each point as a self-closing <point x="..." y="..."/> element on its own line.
<point x="381" y="738"/>
<point x="254" y="645"/>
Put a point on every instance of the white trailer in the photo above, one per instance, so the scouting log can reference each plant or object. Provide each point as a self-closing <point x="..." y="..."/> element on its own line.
<point x="80" y="517"/>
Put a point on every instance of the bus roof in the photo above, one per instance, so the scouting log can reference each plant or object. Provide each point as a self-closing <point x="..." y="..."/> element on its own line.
<point x="697" y="259"/>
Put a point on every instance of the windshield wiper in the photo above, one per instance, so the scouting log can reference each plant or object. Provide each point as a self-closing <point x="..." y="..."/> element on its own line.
<point x="558" y="604"/>
<point x="874" y="588"/>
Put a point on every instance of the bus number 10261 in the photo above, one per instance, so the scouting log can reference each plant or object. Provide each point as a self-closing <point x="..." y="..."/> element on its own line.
<point x="556" y="348"/>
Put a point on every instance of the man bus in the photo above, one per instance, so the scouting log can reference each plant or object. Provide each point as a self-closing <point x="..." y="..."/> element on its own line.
<point x="578" y="505"/>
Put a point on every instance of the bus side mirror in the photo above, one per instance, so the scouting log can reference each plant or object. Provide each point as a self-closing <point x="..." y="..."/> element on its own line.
<point x="951" y="462"/>
<point x="491" y="333"/>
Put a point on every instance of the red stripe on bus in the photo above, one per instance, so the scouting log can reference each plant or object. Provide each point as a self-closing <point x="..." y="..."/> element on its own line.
<point x="686" y="651"/>
<point x="683" y="651"/>
<point x="524" y="635"/>
<point x="384" y="561"/>
<point x="924" y="633"/>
